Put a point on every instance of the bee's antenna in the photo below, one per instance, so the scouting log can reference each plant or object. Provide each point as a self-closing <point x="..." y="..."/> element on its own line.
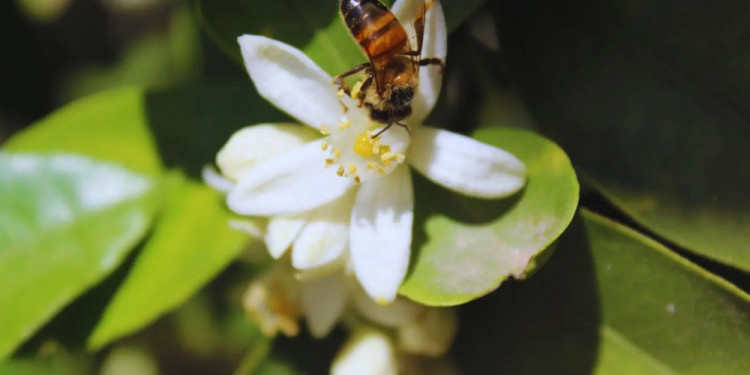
<point x="389" y="126"/>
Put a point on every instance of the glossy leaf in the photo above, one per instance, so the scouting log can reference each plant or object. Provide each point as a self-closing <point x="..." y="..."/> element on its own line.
<point x="192" y="242"/>
<point x="609" y="301"/>
<point x="318" y="30"/>
<point x="110" y="126"/>
<point x="653" y="104"/>
<point x="67" y="222"/>
<point x="469" y="246"/>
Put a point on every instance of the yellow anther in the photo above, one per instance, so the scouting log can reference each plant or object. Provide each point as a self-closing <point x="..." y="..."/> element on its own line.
<point x="324" y="146"/>
<point x="375" y="147"/>
<point x="400" y="158"/>
<point x="344" y="125"/>
<point x="340" y="171"/>
<point x="329" y="162"/>
<point x="363" y="145"/>
<point x="336" y="152"/>
<point x="375" y="167"/>
<point x="387" y="157"/>
<point x="357" y="180"/>
<point x="324" y="130"/>
<point x="385" y="149"/>
<point x="352" y="168"/>
<point x="340" y="93"/>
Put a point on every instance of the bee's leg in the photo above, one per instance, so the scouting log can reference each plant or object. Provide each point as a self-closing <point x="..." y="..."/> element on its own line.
<point x="360" y="91"/>
<point x="339" y="79"/>
<point x="433" y="61"/>
<point x="341" y="83"/>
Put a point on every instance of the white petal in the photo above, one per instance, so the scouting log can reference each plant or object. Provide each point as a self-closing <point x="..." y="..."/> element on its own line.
<point x="254" y="144"/>
<point x="253" y="227"/>
<point x="435" y="44"/>
<point x="294" y="182"/>
<point x="325" y="237"/>
<point x="282" y="231"/>
<point x="397" y="313"/>
<point x="430" y="335"/>
<point x="465" y="165"/>
<point x="367" y="352"/>
<point x="215" y="180"/>
<point x="323" y="300"/>
<point x="291" y="81"/>
<point x="380" y="237"/>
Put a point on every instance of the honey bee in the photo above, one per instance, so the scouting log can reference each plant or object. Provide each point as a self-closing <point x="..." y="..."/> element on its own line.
<point x="392" y="74"/>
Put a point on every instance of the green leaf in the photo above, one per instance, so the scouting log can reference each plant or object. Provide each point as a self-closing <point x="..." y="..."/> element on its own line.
<point x="652" y="104"/>
<point x="192" y="242"/>
<point x="67" y="222"/>
<point x="472" y="245"/>
<point x="610" y="301"/>
<point x="315" y="29"/>
<point x="58" y="363"/>
<point x="110" y="126"/>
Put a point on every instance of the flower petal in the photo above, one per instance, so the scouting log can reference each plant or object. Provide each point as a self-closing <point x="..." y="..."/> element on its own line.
<point x="282" y="231"/>
<point x="294" y="182"/>
<point x="435" y="44"/>
<point x="250" y="226"/>
<point x="215" y="180"/>
<point x="325" y="237"/>
<point x="253" y="144"/>
<point x="465" y="165"/>
<point x="380" y="237"/>
<point x="291" y="81"/>
<point x="323" y="300"/>
<point x="367" y="352"/>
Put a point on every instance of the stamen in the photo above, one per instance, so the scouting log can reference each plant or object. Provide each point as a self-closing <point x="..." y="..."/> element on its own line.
<point x="363" y="145"/>
<point x="375" y="146"/>
<point x="375" y="167"/>
<point x="387" y="157"/>
<point x="329" y="162"/>
<point x="345" y="125"/>
<point x="340" y="171"/>
<point x="352" y="168"/>
<point x="336" y="152"/>
<point x="324" y="130"/>
<point x="324" y="146"/>
<point x="357" y="180"/>
<point x="340" y="93"/>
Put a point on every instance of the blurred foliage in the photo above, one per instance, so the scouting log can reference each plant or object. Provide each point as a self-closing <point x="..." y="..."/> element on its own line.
<point x="649" y="99"/>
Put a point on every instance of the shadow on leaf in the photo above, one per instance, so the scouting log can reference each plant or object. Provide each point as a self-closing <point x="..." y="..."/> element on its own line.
<point x="545" y="325"/>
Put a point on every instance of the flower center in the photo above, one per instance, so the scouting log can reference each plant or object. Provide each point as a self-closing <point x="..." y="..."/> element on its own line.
<point x="356" y="154"/>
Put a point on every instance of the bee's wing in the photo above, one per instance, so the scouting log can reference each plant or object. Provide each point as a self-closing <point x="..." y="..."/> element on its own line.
<point x="411" y="14"/>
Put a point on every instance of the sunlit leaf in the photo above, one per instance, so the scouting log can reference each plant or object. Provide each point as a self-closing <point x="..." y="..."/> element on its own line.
<point x="67" y="222"/>
<point x="609" y="301"/>
<point x="110" y="126"/>
<point x="469" y="246"/>
<point x="653" y="104"/>
<point x="191" y="243"/>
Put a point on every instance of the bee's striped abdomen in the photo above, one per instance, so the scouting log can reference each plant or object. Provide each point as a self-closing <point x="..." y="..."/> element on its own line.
<point x="375" y="28"/>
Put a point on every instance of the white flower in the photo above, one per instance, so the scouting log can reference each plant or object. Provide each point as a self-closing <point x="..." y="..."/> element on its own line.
<point x="347" y="191"/>
<point x="276" y="299"/>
